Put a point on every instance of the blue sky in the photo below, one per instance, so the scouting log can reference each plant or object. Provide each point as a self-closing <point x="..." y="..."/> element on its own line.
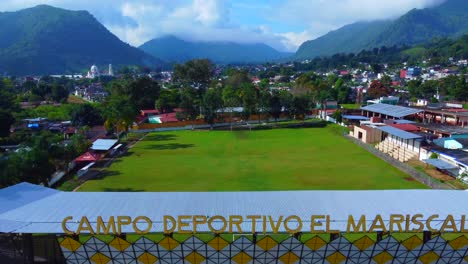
<point x="283" y="24"/>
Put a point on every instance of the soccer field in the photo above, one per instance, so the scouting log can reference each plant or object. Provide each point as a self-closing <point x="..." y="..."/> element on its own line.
<point x="279" y="159"/>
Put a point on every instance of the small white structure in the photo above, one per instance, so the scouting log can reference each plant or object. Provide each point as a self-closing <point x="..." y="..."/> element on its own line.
<point x="421" y="102"/>
<point x="103" y="144"/>
<point x="111" y="71"/>
<point x="85" y="169"/>
<point x="93" y="72"/>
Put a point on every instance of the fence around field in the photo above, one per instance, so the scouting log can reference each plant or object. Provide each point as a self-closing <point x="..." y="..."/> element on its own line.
<point x="188" y="125"/>
<point x="417" y="175"/>
<point x="200" y="123"/>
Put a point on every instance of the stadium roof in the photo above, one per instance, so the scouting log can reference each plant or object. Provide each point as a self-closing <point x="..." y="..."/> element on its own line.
<point x="391" y="110"/>
<point x="398" y="132"/>
<point x="28" y="208"/>
<point x="103" y="144"/>
<point x="440" y="164"/>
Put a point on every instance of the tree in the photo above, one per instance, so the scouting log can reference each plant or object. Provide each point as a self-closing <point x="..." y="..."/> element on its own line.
<point x="78" y="144"/>
<point x="6" y="121"/>
<point x="189" y="103"/>
<point x="286" y="100"/>
<point x="142" y="92"/>
<point x="377" y="90"/>
<point x="301" y="106"/>
<point x="304" y="83"/>
<point x="238" y="79"/>
<point x="413" y="88"/>
<point x="86" y="115"/>
<point x="31" y="165"/>
<point x="211" y="103"/>
<point x="249" y="98"/>
<point x="167" y="101"/>
<point x="119" y="112"/>
<point x="386" y="81"/>
<point x="321" y="93"/>
<point x="377" y="68"/>
<point x="194" y="73"/>
<point x="7" y="106"/>
<point x="42" y="89"/>
<point x="275" y="105"/>
<point x="230" y="100"/>
<point x="27" y="86"/>
<point x="263" y="104"/>
<point x="36" y="160"/>
<point x="428" y="89"/>
<point x="342" y="91"/>
<point x="338" y="116"/>
<point x="460" y="91"/>
<point x="59" y="93"/>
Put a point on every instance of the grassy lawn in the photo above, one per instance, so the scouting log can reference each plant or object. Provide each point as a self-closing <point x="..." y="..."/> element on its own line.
<point x="279" y="159"/>
<point x="351" y="106"/>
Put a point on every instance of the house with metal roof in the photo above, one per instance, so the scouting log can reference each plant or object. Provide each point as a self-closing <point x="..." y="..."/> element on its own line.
<point x="103" y="144"/>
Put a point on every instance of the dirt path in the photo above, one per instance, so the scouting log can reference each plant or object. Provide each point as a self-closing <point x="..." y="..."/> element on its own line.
<point x="434" y="173"/>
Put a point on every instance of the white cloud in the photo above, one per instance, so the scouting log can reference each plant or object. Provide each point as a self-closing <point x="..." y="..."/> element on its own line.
<point x="321" y="16"/>
<point x="137" y="21"/>
<point x="292" y="40"/>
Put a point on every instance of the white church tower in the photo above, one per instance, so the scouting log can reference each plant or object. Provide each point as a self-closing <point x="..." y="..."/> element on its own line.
<point x="111" y="72"/>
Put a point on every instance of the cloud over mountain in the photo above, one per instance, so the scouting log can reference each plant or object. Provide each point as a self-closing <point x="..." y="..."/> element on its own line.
<point x="283" y="25"/>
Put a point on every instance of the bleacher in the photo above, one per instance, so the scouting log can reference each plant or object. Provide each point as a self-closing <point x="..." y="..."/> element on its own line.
<point x="396" y="151"/>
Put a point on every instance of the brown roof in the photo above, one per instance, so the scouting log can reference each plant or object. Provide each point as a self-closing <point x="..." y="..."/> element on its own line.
<point x="405" y="127"/>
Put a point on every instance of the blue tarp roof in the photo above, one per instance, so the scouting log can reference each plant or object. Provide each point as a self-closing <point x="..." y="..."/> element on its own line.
<point x="46" y="215"/>
<point x="440" y="164"/>
<point x="398" y="132"/>
<point x="391" y="110"/>
<point x="355" y="117"/>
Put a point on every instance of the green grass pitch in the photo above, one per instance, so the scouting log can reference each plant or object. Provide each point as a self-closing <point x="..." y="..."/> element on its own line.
<point x="267" y="160"/>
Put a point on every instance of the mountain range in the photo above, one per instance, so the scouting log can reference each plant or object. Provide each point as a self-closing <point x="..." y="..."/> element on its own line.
<point x="450" y="19"/>
<point x="173" y="49"/>
<point x="49" y="40"/>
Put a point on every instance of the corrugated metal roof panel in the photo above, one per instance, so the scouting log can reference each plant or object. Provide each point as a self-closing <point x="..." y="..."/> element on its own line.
<point x="440" y="164"/>
<point x="391" y="110"/>
<point x="398" y="132"/>
<point x="22" y="194"/>
<point x="403" y="121"/>
<point x="46" y="215"/>
<point x="103" y="144"/>
<point x="355" y="117"/>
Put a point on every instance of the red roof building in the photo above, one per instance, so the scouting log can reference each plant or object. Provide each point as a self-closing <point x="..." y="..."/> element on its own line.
<point x="88" y="157"/>
<point x="169" y="117"/>
<point x="403" y="74"/>
<point x="344" y="72"/>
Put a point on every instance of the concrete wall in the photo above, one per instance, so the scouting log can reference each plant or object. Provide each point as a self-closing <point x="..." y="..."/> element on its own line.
<point x="367" y="134"/>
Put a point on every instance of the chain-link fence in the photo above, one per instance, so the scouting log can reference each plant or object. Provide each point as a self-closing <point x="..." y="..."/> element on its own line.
<point x="417" y="175"/>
